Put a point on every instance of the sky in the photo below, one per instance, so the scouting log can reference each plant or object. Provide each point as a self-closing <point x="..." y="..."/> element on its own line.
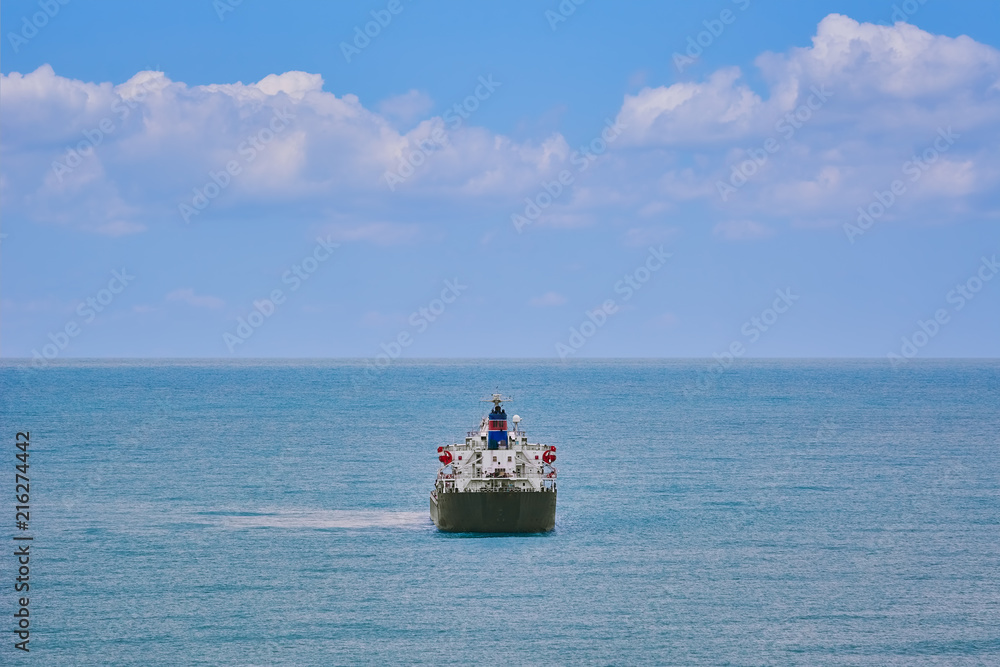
<point x="406" y="178"/>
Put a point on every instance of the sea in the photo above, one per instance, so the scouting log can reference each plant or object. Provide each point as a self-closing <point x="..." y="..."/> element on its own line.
<point x="275" y="512"/>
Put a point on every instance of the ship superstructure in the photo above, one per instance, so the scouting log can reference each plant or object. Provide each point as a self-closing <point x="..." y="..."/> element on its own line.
<point x="495" y="481"/>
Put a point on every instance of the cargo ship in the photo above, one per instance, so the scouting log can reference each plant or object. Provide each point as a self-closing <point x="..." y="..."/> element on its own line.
<point x="496" y="481"/>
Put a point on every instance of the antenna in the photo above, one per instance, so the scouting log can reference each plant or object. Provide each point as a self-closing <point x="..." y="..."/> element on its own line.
<point x="497" y="399"/>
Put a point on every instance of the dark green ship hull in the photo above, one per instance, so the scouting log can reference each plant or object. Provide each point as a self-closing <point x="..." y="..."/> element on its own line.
<point x="495" y="511"/>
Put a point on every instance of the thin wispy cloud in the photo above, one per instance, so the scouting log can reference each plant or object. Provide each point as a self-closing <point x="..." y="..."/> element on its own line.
<point x="188" y="296"/>
<point x="741" y="230"/>
<point x="548" y="299"/>
<point x="379" y="233"/>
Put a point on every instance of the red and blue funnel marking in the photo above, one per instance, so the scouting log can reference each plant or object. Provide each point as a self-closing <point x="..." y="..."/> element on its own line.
<point x="498" y="429"/>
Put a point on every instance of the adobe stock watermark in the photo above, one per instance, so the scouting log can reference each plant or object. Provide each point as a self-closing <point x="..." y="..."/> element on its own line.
<point x="223" y="7"/>
<point x="87" y="310"/>
<point x="381" y="18"/>
<point x="151" y="423"/>
<point x="696" y="44"/>
<point x="419" y="321"/>
<point x="828" y="428"/>
<point x="915" y="168"/>
<point x="629" y="284"/>
<point x="927" y="329"/>
<point x="581" y="159"/>
<point x="786" y="127"/>
<point x="248" y="149"/>
<point x="903" y="12"/>
<point x="455" y="117"/>
<point x="563" y="11"/>
<point x="264" y="308"/>
<point x="30" y="27"/>
<point x="752" y="330"/>
<point x="94" y="137"/>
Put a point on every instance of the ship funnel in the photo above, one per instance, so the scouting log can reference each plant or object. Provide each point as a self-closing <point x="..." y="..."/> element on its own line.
<point x="497" y="434"/>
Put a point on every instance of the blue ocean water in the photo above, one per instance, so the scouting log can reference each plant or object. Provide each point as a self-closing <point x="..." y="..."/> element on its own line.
<point x="275" y="512"/>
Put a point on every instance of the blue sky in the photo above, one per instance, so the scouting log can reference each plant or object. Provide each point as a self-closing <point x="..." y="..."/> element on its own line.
<point x="746" y="164"/>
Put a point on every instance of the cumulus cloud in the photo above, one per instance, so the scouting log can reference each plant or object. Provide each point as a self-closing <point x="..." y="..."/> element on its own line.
<point x="718" y="110"/>
<point x="833" y="123"/>
<point x="408" y="107"/>
<point x="881" y="78"/>
<point x="97" y="156"/>
<point x="839" y="120"/>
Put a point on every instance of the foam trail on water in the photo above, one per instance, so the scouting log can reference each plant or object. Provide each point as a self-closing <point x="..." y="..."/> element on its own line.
<point x="329" y="519"/>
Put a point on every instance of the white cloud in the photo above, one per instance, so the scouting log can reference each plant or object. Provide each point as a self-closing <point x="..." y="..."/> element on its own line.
<point x="653" y="235"/>
<point x="379" y="233"/>
<point x="548" y="299"/>
<point x="119" y="228"/>
<point x="664" y="321"/>
<point x="722" y="108"/>
<point x="881" y="78"/>
<point x="295" y="84"/>
<point x="901" y="62"/>
<point x="188" y="296"/>
<point x="162" y="140"/>
<point x="741" y="230"/>
<point x="890" y="90"/>
<point x="407" y="107"/>
<point x="374" y="318"/>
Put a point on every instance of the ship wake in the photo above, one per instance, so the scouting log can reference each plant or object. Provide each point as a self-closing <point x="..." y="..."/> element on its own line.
<point x="325" y="519"/>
